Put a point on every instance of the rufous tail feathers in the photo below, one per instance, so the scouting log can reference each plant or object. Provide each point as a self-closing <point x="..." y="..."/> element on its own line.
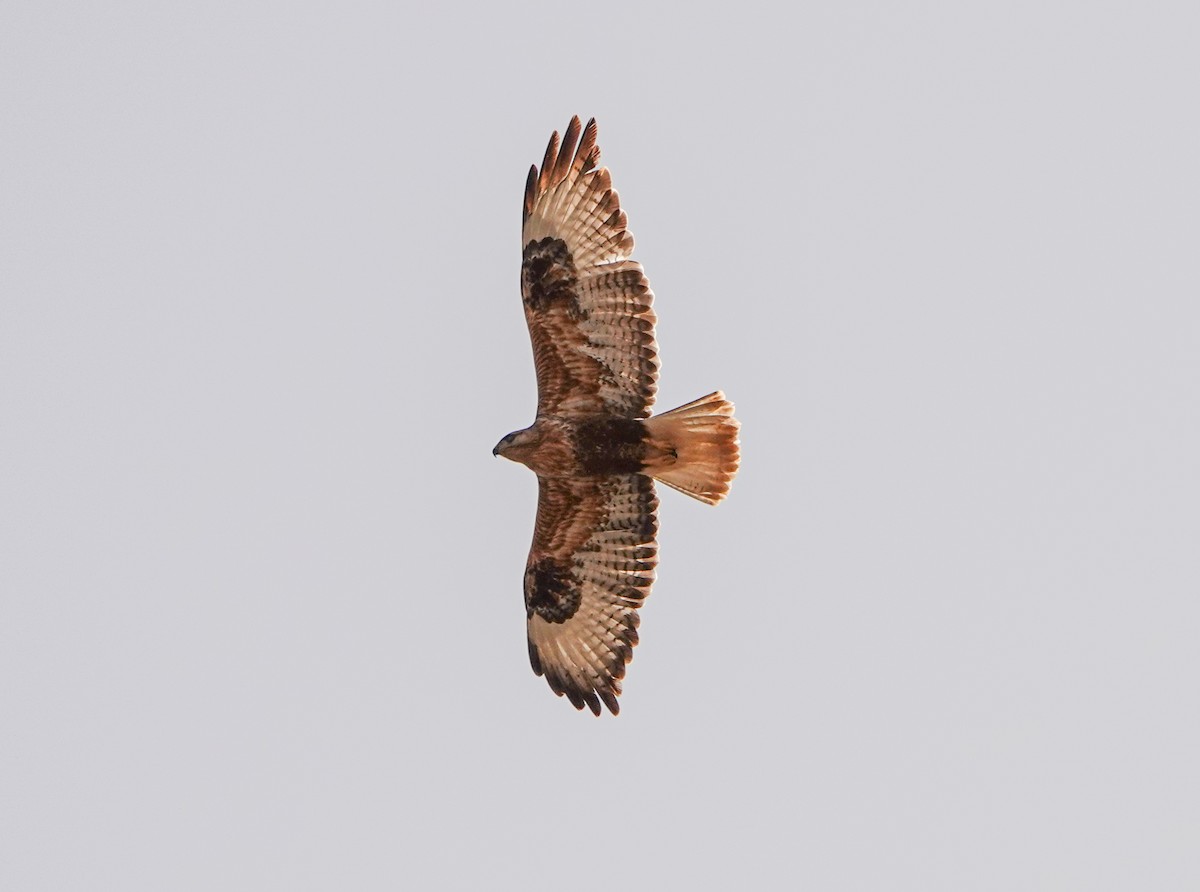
<point x="695" y="448"/>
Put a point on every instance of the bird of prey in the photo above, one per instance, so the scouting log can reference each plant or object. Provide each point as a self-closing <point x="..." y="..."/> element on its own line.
<point x="593" y="445"/>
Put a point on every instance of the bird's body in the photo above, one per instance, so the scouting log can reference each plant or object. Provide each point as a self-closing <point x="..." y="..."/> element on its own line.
<point x="593" y="445"/>
<point x="557" y="446"/>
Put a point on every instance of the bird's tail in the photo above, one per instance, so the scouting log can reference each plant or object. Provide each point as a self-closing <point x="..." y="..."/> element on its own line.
<point x="695" y="448"/>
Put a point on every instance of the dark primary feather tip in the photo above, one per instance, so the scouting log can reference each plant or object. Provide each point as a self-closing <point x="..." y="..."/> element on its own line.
<point x="610" y="700"/>
<point x="588" y="154"/>
<point x="531" y="182"/>
<point x="566" y="154"/>
<point x="548" y="162"/>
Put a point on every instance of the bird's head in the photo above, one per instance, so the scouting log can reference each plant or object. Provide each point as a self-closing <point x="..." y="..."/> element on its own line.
<point x="518" y="445"/>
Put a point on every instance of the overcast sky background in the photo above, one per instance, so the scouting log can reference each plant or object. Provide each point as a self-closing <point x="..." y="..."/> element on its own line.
<point x="261" y="621"/>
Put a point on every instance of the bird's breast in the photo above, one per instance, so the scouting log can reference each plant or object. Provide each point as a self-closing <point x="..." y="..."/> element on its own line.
<point x="554" y="454"/>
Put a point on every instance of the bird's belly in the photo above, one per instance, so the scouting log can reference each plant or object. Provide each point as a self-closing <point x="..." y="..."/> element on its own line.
<point x="610" y="446"/>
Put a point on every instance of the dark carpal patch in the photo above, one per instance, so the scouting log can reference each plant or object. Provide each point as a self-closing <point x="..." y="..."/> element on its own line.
<point x="610" y="446"/>
<point x="550" y="592"/>
<point x="548" y="276"/>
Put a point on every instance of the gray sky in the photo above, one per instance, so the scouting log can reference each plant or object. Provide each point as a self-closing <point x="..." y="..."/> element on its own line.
<point x="261" y="623"/>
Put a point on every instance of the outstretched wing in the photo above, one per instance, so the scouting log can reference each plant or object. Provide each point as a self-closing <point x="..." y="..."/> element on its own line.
<point x="590" y="568"/>
<point x="587" y="304"/>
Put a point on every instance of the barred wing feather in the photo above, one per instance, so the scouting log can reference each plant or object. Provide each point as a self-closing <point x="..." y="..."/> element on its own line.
<point x="590" y="567"/>
<point x="588" y="306"/>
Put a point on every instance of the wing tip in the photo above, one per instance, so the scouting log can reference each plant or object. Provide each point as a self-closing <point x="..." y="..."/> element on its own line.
<point x="590" y="696"/>
<point x="575" y="153"/>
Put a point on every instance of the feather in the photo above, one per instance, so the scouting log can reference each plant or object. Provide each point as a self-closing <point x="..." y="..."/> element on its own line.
<point x="590" y="567"/>
<point x="588" y="307"/>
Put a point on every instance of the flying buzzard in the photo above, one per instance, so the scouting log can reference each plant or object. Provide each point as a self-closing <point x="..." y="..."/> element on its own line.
<point x="593" y="445"/>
